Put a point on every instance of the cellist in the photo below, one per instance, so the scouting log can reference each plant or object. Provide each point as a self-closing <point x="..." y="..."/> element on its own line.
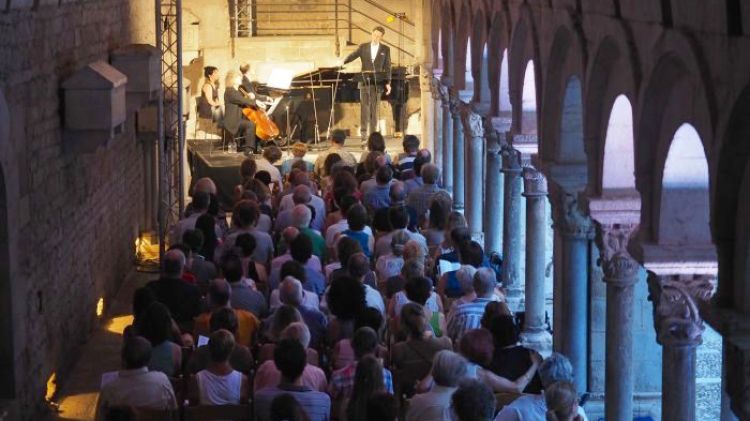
<point x="234" y="121"/>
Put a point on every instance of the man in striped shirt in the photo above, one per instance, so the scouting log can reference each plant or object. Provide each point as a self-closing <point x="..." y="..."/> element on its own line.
<point x="468" y="316"/>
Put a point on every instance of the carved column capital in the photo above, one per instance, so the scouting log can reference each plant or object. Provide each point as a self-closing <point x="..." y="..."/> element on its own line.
<point x="570" y="220"/>
<point x="511" y="160"/>
<point x="435" y="87"/>
<point x="534" y="182"/>
<point x="473" y="122"/>
<point x="676" y="298"/>
<point x="455" y="104"/>
<point x="444" y="93"/>
<point x="620" y="268"/>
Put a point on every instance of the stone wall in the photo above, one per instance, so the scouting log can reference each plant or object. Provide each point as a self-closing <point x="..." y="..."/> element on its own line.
<point x="73" y="219"/>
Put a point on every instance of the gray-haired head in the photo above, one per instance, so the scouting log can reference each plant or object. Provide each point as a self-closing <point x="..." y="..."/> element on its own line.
<point x="465" y="275"/>
<point x="297" y="331"/>
<point x="290" y="291"/>
<point x="555" y="368"/>
<point x="448" y="368"/>
<point x="301" y="216"/>
<point x="301" y="194"/>
<point x="430" y="174"/>
<point x="484" y="282"/>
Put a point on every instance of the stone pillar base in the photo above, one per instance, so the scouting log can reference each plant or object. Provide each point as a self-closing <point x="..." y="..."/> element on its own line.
<point x="516" y="302"/>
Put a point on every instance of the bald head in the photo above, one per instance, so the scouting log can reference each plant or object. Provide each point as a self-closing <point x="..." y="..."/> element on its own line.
<point x="136" y="352"/>
<point x="289" y="234"/>
<point x="301" y="194"/>
<point x="397" y="193"/>
<point x="205" y="185"/>
<point x="219" y="292"/>
<point x="174" y="264"/>
<point x="301" y="216"/>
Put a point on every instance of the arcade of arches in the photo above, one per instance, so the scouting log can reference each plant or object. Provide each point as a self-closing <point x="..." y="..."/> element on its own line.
<point x="611" y="138"/>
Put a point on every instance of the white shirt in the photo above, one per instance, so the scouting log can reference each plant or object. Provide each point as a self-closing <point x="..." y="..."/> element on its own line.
<point x="264" y="165"/>
<point x="287" y="202"/>
<point x="309" y="299"/>
<point x="334" y="230"/>
<point x="374" y="51"/>
<point x="528" y="407"/>
<point x="138" y="388"/>
<point x="374" y="299"/>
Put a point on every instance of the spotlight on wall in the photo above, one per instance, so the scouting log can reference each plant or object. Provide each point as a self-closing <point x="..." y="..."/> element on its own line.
<point x="100" y="307"/>
<point x="147" y="251"/>
<point x="390" y="19"/>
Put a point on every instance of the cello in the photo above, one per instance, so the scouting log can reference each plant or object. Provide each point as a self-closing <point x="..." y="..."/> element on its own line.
<point x="265" y="129"/>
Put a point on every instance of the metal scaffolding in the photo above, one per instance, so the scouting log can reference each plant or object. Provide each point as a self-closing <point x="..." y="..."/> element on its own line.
<point x="171" y="126"/>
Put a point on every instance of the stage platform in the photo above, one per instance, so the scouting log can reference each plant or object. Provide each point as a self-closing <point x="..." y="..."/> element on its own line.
<point x="207" y="159"/>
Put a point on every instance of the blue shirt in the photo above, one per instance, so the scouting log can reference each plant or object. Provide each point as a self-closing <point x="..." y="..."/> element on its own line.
<point x="466" y="317"/>
<point x="378" y="197"/>
<point x="286" y="166"/>
<point x="362" y="238"/>
<point x="317" y="405"/>
<point x="314" y="281"/>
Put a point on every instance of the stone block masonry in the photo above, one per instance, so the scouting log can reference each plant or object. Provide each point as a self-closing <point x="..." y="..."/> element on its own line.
<point x="75" y="240"/>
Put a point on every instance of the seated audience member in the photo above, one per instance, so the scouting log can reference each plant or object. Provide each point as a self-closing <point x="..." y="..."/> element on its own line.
<point x="379" y="196"/>
<point x="268" y="375"/>
<point x="199" y="207"/>
<point x="271" y="155"/>
<point x="301" y="216"/>
<point x="301" y="180"/>
<point x="251" y="269"/>
<point x="338" y="138"/>
<point x="299" y="150"/>
<point x="448" y="251"/>
<point x="405" y="160"/>
<point x="294" y="270"/>
<point x="435" y="229"/>
<point x="219" y="383"/>
<point x="136" y="386"/>
<point x="368" y="380"/>
<point x="555" y="368"/>
<point x="413" y="357"/>
<point x="345" y="248"/>
<point x="419" y="199"/>
<point x="358" y="229"/>
<point x="202" y="268"/>
<point x="344" y="189"/>
<point x="477" y="347"/>
<point x="375" y="143"/>
<point x="142" y="299"/>
<point x="358" y="267"/>
<point x="301" y="195"/>
<point x="473" y="401"/>
<point x="419" y="290"/>
<point x="382" y="406"/>
<point x="245" y="217"/>
<point x="219" y="293"/>
<point x="469" y="316"/>
<point x="562" y="402"/>
<point x="206" y="224"/>
<point x="410" y="184"/>
<point x="275" y="325"/>
<point x="243" y="294"/>
<point x="166" y="356"/>
<point x="241" y="359"/>
<point x="398" y="219"/>
<point x="333" y="231"/>
<point x="285" y="408"/>
<point x="373" y="162"/>
<point x="365" y="343"/>
<point x="343" y="353"/>
<point x="291" y="293"/>
<point x="495" y="309"/>
<point x="182" y="299"/>
<point x="289" y="357"/>
<point x="302" y="250"/>
<point x="397" y="193"/>
<point x="289" y="234"/>
<point x="465" y="277"/>
<point x="390" y="264"/>
<point x="187" y="275"/>
<point x="448" y="368"/>
<point x="469" y="253"/>
<point x="412" y="268"/>
<point x="332" y="162"/>
<point x="345" y="299"/>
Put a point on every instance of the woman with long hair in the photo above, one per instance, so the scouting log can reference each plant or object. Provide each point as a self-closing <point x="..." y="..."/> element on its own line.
<point x="368" y="380"/>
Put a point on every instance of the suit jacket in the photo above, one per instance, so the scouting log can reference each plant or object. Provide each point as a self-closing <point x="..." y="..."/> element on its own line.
<point x="382" y="61"/>
<point x="234" y="102"/>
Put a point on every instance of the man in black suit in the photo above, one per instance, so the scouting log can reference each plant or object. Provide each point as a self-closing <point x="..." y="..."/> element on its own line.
<point x="234" y="121"/>
<point x="376" y="73"/>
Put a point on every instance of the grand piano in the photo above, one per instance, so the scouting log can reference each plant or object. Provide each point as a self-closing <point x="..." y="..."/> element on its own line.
<point x="296" y="111"/>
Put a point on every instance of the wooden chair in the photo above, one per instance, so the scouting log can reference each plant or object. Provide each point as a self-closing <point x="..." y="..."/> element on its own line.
<point x="218" y="412"/>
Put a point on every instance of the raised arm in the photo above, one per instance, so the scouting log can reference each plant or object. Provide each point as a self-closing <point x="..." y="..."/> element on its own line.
<point x="354" y="55"/>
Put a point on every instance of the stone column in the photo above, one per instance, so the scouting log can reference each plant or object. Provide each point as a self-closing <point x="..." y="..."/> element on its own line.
<point x="535" y="334"/>
<point x="575" y="230"/>
<point x="458" y="155"/>
<point x="620" y="275"/>
<point x="445" y="101"/>
<point x="511" y="224"/>
<point x="474" y="178"/>
<point x="437" y="129"/>
<point x="679" y="330"/>
<point x="493" y="200"/>
<point x="427" y="120"/>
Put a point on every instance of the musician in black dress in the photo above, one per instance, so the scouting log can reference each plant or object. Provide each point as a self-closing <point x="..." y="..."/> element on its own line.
<point x="234" y="121"/>
<point x="209" y="106"/>
<point x="376" y="73"/>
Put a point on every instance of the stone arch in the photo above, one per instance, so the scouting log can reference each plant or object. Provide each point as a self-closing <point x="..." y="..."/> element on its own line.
<point x="447" y="38"/>
<point x="611" y="73"/>
<point x="497" y="66"/>
<point x="523" y="50"/>
<point x="7" y="350"/>
<point x="437" y="35"/>
<point x="479" y="58"/>
<point x="562" y="115"/>
<point x="674" y="94"/>
<point x="731" y="228"/>
<point x="618" y="158"/>
<point x="461" y="37"/>
<point x="684" y="212"/>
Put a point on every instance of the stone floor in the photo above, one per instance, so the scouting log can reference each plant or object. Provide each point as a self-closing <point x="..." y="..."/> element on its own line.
<point x="77" y="397"/>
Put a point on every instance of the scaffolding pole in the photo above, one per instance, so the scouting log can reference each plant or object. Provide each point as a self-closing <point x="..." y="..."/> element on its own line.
<point x="171" y="126"/>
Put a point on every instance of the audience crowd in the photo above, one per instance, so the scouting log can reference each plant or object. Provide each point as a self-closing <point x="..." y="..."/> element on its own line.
<point x="341" y="290"/>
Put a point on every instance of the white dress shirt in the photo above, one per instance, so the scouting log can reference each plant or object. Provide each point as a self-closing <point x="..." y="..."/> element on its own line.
<point x="374" y="51"/>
